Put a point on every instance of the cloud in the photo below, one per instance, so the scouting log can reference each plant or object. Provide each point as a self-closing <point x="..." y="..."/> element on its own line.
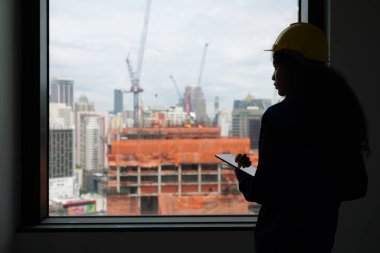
<point x="90" y="39"/>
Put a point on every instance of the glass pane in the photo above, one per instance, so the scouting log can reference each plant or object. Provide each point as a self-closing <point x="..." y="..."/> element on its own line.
<point x="144" y="93"/>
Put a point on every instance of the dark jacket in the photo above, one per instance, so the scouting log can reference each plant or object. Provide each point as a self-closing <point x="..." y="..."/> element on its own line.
<point x="295" y="183"/>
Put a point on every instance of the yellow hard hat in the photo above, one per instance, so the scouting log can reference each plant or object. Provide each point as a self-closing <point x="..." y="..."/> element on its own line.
<point x="304" y="38"/>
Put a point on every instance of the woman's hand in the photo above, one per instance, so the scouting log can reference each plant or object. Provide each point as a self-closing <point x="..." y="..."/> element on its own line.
<point x="243" y="160"/>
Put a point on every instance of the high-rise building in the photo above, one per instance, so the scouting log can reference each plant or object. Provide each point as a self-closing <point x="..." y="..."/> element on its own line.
<point x="194" y="99"/>
<point x="118" y="101"/>
<point x="61" y="114"/>
<point x="216" y="105"/>
<point x="246" y="118"/>
<point x="224" y="122"/>
<point x="247" y="123"/>
<point x="84" y="105"/>
<point x="62" y="91"/>
<point x="176" y="116"/>
<point x="90" y="140"/>
<point x="261" y="103"/>
<point x="61" y="151"/>
<point x="164" y="117"/>
<point x="61" y="160"/>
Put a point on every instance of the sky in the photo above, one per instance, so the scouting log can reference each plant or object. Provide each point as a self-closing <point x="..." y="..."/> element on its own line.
<point x="91" y="39"/>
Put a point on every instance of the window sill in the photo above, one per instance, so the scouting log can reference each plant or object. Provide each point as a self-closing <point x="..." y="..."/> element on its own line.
<point x="147" y="223"/>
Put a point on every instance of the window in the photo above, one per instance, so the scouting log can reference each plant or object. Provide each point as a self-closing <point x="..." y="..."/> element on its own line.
<point x="152" y="84"/>
<point x="36" y="181"/>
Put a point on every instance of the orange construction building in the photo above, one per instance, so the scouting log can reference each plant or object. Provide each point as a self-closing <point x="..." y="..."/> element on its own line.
<point x="173" y="171"/>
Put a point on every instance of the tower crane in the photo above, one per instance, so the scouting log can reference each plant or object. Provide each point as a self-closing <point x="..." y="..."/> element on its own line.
<point x="135" y="75"/>
<point x="202" y="64"/>
<point x="180" y="100"/>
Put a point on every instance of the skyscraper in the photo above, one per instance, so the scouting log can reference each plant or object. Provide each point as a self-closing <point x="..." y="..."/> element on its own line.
<point x="62" y="91"/>
<point x="246" y="118"/>
<point x="62" y="115"/>
<point x="194" y="97"/>
<point x="84" y="104"/>
<point x="90" y="140"/>
<point x="224" y="121"/>
<point x="118" y="101"/>
<point x="216" y="105"/>
<point x="249" y="100"/>
<point x="61" y="151"/>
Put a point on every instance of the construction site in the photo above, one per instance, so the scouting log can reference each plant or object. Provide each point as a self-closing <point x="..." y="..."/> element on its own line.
<point x="163" y="170"/>
<point x="173" y="171"/>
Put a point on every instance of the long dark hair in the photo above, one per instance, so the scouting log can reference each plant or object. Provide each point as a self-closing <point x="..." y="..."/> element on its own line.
<point x="325" y="95"/>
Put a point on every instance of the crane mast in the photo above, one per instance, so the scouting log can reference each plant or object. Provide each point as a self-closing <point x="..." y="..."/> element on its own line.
<point x="143" y="38"/>
<point x="202" y="64"/>
<point x="135" y="75"/>
<point x="180" y="101"/>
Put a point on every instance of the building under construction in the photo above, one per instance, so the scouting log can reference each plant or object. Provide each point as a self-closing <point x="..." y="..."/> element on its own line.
<point x="173" y="171"/>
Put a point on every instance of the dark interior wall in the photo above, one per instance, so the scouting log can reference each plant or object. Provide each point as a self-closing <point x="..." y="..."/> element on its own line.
<point x="354" y="43"/>
<point x="9" y="60"/>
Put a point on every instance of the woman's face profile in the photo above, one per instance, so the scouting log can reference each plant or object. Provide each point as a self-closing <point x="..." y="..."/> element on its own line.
<point x="279" y="78"/>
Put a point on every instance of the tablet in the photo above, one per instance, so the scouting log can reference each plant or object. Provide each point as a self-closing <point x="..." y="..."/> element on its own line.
<point x="230" y="159"/>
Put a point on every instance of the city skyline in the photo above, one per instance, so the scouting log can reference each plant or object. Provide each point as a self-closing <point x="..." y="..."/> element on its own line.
<point x="90" y="45"/>
<point x="167" y="158"/>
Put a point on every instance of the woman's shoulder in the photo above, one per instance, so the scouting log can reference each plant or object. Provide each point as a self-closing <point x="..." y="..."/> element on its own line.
<point x="277" y="109"/>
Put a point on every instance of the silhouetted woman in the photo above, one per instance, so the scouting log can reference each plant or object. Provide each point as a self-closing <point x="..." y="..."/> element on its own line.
<point x="311" y="149"/>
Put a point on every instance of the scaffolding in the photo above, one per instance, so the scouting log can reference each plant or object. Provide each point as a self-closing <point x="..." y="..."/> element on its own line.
<point x="157" y="173"/>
